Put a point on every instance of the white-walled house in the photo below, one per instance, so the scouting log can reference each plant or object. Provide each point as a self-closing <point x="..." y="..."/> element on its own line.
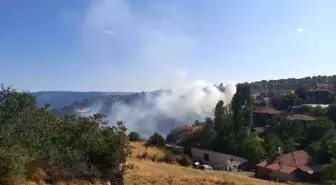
<point x="218" y="160"/>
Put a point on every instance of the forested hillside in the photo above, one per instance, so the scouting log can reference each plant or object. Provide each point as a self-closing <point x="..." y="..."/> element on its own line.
<point x="288" y="84"/>
<point x="59" y="99"/>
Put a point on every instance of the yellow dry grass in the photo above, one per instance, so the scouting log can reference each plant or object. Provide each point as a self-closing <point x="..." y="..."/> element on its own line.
<point x="147" y="172"/>
<point x="138" y="149"/>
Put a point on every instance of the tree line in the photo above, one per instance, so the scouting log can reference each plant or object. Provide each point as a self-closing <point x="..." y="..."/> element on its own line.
<point x="290" y="83"/>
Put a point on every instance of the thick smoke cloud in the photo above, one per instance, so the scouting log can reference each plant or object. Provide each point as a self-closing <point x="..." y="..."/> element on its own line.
<point x="195" y="101"/>
<point x="162" y="111"/>
<point x="140" y="45"/>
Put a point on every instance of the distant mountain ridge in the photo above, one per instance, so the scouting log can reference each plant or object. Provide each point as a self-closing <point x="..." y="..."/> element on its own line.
<point x="59" y="99"/>
<point x="138" y="108"/>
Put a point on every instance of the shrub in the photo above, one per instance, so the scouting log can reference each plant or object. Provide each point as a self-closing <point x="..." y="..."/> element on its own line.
<point x="156" y="140"/>
<point x="129" y="166"/>
<point x="185" y="160"/>
<point x="66" y="147"/>
<point x="134" y="137"/>
<point x="144" y="155"/>
<point x="176" y="151"/>
<point x="169" y="158"/>
<point x="155" y="158"/>
<point x="11" y="163"/>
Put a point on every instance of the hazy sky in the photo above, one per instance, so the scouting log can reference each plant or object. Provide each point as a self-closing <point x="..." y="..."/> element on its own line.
<point x="133" y="45"/>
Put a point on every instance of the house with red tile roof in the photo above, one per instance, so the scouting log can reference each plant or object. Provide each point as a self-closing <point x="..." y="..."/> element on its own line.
<point x="293" y="166"/>
<point x="262" y="113"/>
<point x="319" y="94"/>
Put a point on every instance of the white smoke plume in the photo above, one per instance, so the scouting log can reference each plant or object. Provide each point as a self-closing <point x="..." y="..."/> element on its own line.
<point x="136" y="44"/>
<point x="164" y="111"/>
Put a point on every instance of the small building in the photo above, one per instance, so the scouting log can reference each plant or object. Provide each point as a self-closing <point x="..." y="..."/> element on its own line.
<point x="319" y="94"/>
<point x="261" y="114"/>
<point x="219" y="161"/>
<point x="294" y="166"/>
<point x="259" y="130"/>
<point x="300" y="117"/>
<point x="178" y="149"/>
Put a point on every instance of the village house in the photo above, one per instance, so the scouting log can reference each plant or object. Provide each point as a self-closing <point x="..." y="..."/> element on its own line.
<point x="294" y="166"/>
<point x="319" y="94"/>
<point x="261" y="114"/>
<point x="218" y="161"/>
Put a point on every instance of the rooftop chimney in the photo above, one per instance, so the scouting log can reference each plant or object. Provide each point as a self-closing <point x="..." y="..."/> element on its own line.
<point x="279" y="150"/>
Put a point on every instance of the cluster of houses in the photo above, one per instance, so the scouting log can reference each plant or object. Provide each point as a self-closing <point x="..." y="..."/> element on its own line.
<point x="293" y="166"/>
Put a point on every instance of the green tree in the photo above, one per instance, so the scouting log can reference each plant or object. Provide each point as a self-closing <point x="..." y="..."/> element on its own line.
<point x="209" y="122"/>
<point x="13" y="102"/>
<point x="324" y="150"/>
<point x="329" y="173"/>
<point x="223" y="128"/>
<point x="300" y="92"/>
<point x="242" y="109"/>
<point x="285" y="102"/>
<point x="271" y="144"/>
<point x="331" y="112"/>
<point x="252" y="148"/>
<point x="134" y="137"/>
<point x="156" y="140"/>
<point x="219" y="120"/>
<point x="77" y="144"/>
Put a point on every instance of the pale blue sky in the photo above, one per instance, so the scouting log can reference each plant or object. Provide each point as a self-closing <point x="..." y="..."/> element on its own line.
<point x="133" y="45"/>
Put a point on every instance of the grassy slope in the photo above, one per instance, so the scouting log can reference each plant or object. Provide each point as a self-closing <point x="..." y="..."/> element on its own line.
<point x="149" y="172"/>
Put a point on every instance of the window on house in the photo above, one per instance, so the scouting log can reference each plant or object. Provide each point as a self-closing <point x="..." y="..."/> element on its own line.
<point x="206" y="157"/>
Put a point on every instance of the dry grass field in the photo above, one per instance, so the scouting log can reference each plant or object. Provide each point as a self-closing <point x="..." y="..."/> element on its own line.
<point x="149" y="172"/>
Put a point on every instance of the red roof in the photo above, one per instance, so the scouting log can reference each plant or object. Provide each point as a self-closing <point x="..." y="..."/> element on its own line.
<point x="289" y="162"/>
<point x="322" y="87"/>
<point x="267" y="110"/>
<point x="301" y="117"/>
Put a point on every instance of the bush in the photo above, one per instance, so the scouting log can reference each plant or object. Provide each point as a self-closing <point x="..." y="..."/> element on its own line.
<point x="144" y="155"/>
<point x="156" y="140"/>
<point x="169" y="158"/>
<point x="67" y="147"/>
<point x="185" y="160"/>
<point x="155" y="158"/>
<point x="11" y="163"/>
<point x="134" y="137"/>
<point x="329" y="173"/>
<point x="176" y="151"/>
<point x="129" y="166"/>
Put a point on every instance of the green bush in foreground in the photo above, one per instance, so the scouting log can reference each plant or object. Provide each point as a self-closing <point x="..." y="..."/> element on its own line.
<point x="185" y="161"/>
<point x="68" y="147"/>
